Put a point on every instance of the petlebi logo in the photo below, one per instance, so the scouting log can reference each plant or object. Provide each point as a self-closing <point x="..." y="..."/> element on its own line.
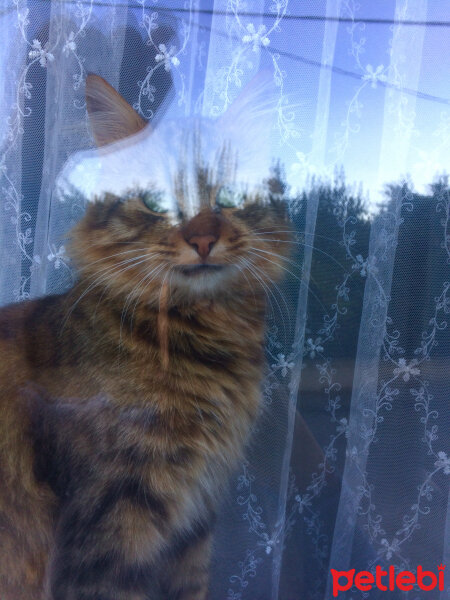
<point x="389" y="580"/>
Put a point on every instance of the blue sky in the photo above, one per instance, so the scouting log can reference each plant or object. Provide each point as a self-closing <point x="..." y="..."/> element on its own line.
<point x="394" y="134"/>
<point x="344" y="115"/>
<point x="378" y="134"/>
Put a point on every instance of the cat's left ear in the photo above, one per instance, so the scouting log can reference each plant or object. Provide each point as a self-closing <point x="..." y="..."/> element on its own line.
<point x="247" y="125"/>
<point x="254" y="108"/>
<point x="111" y="117"/>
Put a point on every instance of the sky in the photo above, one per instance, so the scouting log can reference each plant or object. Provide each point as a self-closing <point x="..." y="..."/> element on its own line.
<point x="352" y="88"/>
<point x="372" y="98"/>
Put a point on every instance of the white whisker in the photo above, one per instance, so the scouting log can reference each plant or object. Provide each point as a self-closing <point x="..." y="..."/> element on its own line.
<point x="274" y="263"/>
<point x="107" y="271"/>
<point x="155" y="272"/>
<point x="255" y="270"/>
<point x="305" y="246"/>
<point x="276" y="255"/>
<point x="113" y="256"/>
<point x="298" y="279"/>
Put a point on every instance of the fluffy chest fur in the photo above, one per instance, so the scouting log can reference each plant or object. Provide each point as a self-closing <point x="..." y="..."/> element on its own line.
<point x="203" y="396"/>
<point x="134" y="451"/>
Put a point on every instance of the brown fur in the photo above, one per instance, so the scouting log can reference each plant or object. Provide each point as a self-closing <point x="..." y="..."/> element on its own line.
<point x="125" y="402"/>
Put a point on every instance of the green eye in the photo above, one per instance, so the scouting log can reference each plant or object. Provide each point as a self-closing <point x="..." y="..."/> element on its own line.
<point x="227" y="197"/>
<point x="153" y="201"/>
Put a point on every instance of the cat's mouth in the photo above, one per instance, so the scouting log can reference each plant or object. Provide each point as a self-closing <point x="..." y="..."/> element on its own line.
<point x="190" y="270"/>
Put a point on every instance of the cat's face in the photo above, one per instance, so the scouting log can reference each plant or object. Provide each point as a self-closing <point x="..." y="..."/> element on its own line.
<point x="202" y="238"/>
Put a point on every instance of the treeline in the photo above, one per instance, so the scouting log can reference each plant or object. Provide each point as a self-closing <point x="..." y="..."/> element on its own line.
<point x="341" y="245"/>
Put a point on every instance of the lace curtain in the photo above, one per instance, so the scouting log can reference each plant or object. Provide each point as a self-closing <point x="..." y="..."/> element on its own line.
<point x="349" y="466"/>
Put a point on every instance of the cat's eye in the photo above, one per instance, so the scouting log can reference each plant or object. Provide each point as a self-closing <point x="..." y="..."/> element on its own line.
<point x="227" y="197"/>
<point x="153" y="202"/>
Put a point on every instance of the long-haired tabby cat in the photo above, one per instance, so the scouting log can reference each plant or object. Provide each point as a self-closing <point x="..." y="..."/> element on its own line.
<point x="125" y="402"/>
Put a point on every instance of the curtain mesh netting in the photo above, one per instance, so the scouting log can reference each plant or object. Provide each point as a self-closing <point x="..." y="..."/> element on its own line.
<point x="349" y="465"/>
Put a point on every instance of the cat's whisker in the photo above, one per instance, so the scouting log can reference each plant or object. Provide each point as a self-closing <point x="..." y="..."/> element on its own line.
<point x="106" y="272"/>
<point x="163" y="324"/>
<point x="278" y="265"/>
<point x="108" y="268"/>
<point x="303" y="283"/>
<point x="110" y="279"/>
<point x="274" y="263"/>
<point x="305" y="246"/>
<point x="115" y="243"/>
<point x="295" y="242"/>
<point x="276" y="255"/>
<point x="245" y="265"/>
<point x="94" y="262"/>
<point x="230" y="261"/>
<point x="297" y="278"/>
<point x="270" y="295"/>
<point x="108" y="286"/>
<point x="99" y="301"/>
<point x="113" y="274"/>
<point x="148" y="276"/>
<point x="277" y="289"/>
<point x="264" y="231"/>
<point x="254" y="270"/>
<point x="125" y="261"/>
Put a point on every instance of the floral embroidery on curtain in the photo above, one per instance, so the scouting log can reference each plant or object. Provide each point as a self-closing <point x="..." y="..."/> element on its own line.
<point x="349" y="465"/>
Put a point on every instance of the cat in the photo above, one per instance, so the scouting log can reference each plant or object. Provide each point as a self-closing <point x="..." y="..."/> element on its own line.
<point x="127" y="401"/>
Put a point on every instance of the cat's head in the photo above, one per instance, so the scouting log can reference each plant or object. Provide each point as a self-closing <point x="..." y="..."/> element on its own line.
<point x="182" y="206"/>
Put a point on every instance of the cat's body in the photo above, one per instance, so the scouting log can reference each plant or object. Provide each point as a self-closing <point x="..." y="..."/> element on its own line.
<point x="196" y="414"/>
<point x="125" y="403"/>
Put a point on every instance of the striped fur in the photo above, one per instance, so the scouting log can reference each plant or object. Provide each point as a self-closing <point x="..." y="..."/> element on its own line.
<point x="124" y="408"/>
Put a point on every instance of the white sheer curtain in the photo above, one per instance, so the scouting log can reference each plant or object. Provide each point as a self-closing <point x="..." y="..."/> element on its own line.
<point x="349" y="468"/>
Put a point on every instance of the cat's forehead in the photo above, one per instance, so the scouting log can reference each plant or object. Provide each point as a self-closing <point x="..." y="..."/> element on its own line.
<point x="167" y="161"/>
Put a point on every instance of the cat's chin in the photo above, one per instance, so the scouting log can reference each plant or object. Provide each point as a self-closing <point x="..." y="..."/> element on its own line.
<point x="202" y="280"/>
<point x="200" y="269"/>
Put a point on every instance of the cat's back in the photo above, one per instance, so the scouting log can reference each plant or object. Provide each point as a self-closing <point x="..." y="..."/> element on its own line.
<point x="27" y="330"/>
<point x="26" y="335"/>
<point x="14" y="339"/>
<point x="26" y="507"/>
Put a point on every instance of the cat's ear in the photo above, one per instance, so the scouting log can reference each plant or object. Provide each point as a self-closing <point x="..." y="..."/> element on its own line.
<point x="253" y="107"/>
<point x="257" y="94"/>
<point x="247" y="126"/>
<point x="111" y="117"/>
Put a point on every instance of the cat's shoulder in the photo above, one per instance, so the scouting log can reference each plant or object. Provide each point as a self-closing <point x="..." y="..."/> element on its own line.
<point x="25" y="322"/>
<point x="13" y="316"/>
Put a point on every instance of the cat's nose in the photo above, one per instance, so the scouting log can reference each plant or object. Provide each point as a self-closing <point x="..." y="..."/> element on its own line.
<point x="203" y="244"/>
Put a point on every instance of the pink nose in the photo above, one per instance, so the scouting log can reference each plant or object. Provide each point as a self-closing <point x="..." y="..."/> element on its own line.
<point x="203" y="244"/>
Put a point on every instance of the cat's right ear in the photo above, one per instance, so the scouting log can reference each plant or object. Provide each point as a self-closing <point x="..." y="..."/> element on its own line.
<point x="111" y="117"/>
